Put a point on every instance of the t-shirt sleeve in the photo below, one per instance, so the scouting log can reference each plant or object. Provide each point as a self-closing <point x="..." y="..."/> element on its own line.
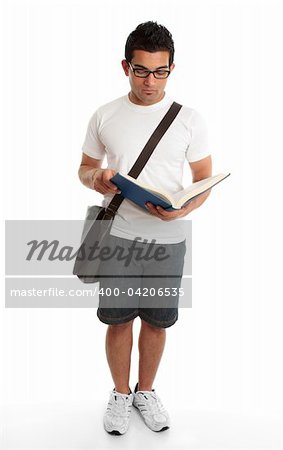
<point x="92" y="145"/>
<point x="198" y="147"/>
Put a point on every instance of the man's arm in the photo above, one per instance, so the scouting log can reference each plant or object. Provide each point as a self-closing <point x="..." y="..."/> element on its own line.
<point x="94" y="177"/>
<point x="200" y="169"/>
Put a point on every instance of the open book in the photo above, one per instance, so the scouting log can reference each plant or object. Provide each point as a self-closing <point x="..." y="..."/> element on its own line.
<point x="140" y="193"/>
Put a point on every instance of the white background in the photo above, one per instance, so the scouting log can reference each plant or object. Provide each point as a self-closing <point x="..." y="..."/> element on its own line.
<point x="221" y="370"/>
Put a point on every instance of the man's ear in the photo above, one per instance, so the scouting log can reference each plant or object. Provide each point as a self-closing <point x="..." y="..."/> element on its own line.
<point x="125" y="67"/>
<point x="172" y="66"/>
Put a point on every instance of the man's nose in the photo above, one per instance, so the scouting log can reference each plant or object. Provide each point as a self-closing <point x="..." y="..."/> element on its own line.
<point x="149" y="80"/>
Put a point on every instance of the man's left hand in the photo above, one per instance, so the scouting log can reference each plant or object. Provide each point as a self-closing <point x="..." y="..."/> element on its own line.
<point x="160" y="212"/>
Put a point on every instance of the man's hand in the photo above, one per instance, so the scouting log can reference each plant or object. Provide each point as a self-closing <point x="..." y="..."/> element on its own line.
<point x="94" y="177"/>
<point x="101" y="181"/>
<point x="162" y="214"/>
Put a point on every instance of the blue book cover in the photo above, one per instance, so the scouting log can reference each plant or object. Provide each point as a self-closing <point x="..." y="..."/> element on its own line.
<point x="140" y="193"/>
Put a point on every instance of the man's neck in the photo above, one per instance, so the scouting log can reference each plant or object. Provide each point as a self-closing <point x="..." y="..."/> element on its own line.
<point x="136" y="101"/>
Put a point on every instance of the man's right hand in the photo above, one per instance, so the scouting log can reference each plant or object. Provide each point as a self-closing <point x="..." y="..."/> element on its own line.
<point x="101" y="181"/>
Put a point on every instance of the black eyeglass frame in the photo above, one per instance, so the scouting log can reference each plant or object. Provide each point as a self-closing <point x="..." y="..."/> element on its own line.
<point x="148" y="72"/>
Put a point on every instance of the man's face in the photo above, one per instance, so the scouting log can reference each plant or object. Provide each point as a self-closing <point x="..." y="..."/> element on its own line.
<point x="147" y="91"/>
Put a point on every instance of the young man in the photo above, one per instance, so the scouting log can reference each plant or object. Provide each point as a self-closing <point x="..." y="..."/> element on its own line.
<point x="119" y="130"/>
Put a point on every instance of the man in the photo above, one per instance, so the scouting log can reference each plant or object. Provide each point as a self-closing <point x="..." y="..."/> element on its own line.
<point x="120" y="130"/>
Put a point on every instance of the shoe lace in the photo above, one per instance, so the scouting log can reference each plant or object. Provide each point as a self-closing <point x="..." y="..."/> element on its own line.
<point x="120" y="405"/>
<point x="153" y="403"/>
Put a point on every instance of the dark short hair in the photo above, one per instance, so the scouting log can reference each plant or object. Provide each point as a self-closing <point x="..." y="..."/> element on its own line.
<point x="150" y="37"/>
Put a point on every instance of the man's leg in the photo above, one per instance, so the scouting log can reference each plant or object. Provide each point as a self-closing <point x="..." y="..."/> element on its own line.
<point x="158" y="312"/>
<point x="119" y="342"/>
<point x="151" y="346"/>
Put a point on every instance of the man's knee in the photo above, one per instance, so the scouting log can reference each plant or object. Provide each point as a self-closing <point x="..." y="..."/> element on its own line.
<point x="151" y="327"/>
<point x="121" y="326"/>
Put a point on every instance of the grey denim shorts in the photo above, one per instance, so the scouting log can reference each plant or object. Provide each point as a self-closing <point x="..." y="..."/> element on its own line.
<point x="140" y="278"/>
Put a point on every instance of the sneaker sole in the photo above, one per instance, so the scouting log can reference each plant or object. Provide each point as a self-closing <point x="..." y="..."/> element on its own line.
<point x="114" y="433"/>
<point x="156" y="431"/>
<point x="162" y="429"/>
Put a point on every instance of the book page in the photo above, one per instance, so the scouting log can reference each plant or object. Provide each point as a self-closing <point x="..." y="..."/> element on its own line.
<point x="195" y="189"/>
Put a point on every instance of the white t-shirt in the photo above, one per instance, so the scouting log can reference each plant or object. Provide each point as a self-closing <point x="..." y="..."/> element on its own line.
<point x="119" y="130"/>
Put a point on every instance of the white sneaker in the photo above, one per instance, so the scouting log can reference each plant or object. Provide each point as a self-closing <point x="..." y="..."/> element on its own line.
<point x="150" y="406"/>
<point x="117" y="416"/>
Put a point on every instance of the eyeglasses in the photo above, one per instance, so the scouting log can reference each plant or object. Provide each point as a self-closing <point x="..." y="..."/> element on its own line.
<point x="144" y="73"/>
